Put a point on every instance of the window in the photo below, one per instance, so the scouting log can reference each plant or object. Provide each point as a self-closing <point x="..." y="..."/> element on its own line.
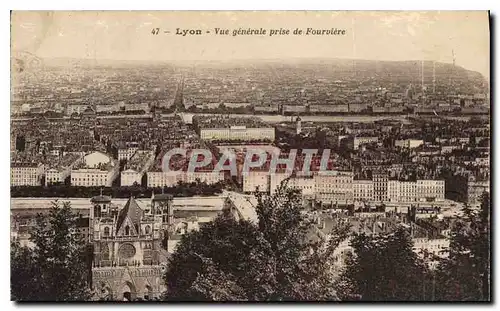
<point x="127" y="230"/>
<point x="126" y="251"/>
<point x="147" y="230"/>
<point x="106" y="231"/>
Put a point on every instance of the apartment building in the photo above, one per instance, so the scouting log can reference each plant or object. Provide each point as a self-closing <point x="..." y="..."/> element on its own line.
<point x="363" y="190"/>
<point x="136" y="167"/>
<point x="408" y="143"/>
<point x="254" y="180"/>
<point x="96" y="169"/>
<point x="127" y="151"/>
<point x="335" y="186"/>
<point x="61" y="169"/>
<point x="26" y="173"/>
<point x="415" y="191"/>
<point x="238" y="133"/>
<point x="380" y="181"/>
<point x="475" y="190"/>
<point x="306" y="184"/>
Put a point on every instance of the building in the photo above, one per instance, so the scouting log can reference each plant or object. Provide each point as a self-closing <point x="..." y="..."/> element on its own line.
<point x="401" y="191"/>
<point x="163" y="179"/>
<point x="475" y="190"/>
<point x="224" y="128"/>
<point x="238" y="133"/>
<point x="415" y="191"/>
<point x="76" y="108"/>
<point x="380" y="182"/>
<point x="408" y="143"/>
<point x="393" y="191"/>
<point x="236" y="105"/>
<point x="172" y="178"/>
<point x="106" y="108"/>
<point x="127" y="151"/>
<point x="59" y="171"/>
<point x="136" y="167"/>
<point x="290" y="109"/>
<point x="357" y="107"/>
<point x="329" y="108"/>
<point x="354" y="142"/>
<point x="23" y="214"/>
<point x="26" y="173"/>
<point x="305" y="184"/>
<point x="266" y="109"/>
<point x="430" y="190"/>
<point x="450" y="148"/>
<point x="256" y="180"/>
<point x="334" y="186"/>
<point x="363" y="190"/>
<point x="129" y="259"/>
<point x="96" y="169"/>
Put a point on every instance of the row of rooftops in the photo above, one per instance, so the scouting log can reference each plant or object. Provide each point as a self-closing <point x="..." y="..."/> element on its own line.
<point x="139" y="160"/>
<point x="65" y="161"/>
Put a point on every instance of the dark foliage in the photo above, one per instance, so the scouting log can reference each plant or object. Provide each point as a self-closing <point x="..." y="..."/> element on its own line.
<point x="383" y="268"/>
<point x="465" y="274"/>
<point x="179" y="190"/>
<point x="239" y="260"/>
<point x="56" y="268"/>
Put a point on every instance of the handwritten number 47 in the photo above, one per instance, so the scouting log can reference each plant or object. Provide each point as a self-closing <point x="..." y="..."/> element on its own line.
<point x="155" y="31"/>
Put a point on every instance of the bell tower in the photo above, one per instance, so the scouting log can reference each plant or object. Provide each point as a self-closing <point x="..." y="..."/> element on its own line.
<point x="161" y="207"/>
<point x="101" y="206"/>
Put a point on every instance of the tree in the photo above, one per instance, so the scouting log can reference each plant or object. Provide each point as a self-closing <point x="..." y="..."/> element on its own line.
<point x="383" y="268"/>
<point x="274" y="259"/>
<point x="56" y="267"/>
<point x="465" y="274"/>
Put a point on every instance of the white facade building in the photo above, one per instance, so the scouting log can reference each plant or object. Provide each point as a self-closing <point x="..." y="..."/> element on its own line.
<point x="137" y="167"/>
<point x="97" y="169"/>
<point x="359" y="141"/>
<point x="256" y="179"/>
<point x="126" y="153"/>
<point x="62" y="170"/>
<point x="305" y="184"/>
<point x="432" y="189"/>
<point x="408" y="143"/>
<point x="238" y="133"/>
<point x="420" y="190"/>
<point x="363" y="190"/>
<point x="334" y="186"/>
<point x="26" y="174"/>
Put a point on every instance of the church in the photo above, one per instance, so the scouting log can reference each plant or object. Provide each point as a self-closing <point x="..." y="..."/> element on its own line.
<point x="129" y="247"/>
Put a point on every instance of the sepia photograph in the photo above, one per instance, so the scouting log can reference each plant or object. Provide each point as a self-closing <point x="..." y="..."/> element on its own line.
<point x="250" y="156"/>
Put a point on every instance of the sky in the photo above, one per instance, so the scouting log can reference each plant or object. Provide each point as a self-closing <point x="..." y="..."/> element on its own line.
<point x="371" y="35"/>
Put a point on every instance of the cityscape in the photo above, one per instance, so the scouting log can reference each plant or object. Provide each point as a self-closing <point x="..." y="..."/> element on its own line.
<point x="369" y="180"/>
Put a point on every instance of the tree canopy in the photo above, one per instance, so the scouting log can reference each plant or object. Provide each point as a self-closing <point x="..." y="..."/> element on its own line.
<point x="383" y="268"/>
<point x="465" y="274"/>
<point x="282" y="257"/>
<point x="56" y="267"/>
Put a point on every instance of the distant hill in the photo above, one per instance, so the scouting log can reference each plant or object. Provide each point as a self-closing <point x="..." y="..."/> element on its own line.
<point x="402" y="71"/>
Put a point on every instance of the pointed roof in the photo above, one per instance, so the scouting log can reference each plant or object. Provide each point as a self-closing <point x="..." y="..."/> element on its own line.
<point x="132" y="211"/>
